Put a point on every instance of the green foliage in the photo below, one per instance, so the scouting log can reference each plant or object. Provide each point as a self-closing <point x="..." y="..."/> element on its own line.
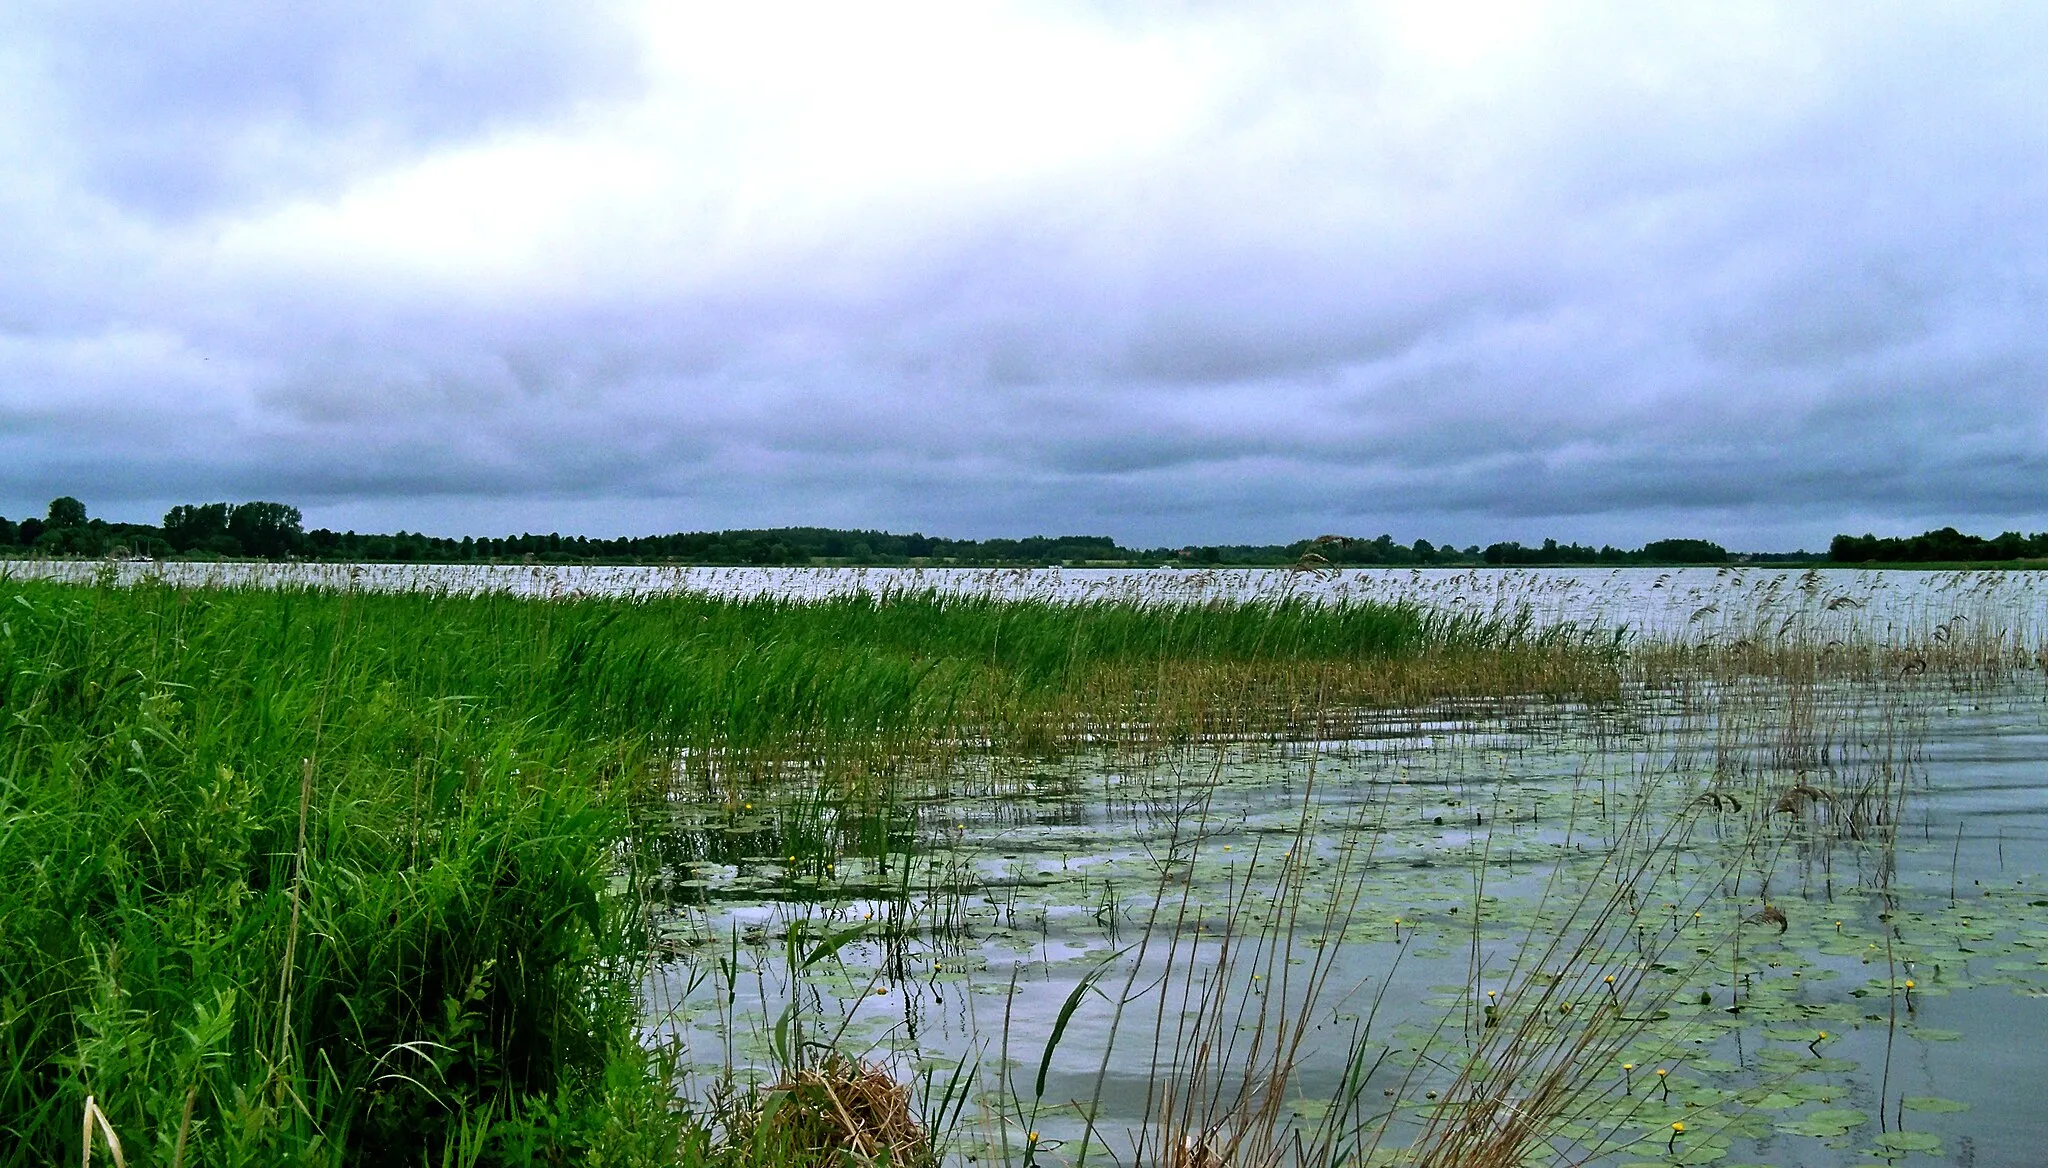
<point x="325" y="877"/>
<point x="788" y="545"/>
<point x="1683" y="551"/>
<point x="68" y="531"/>
<point x="442" y="945"/>
<point x="269" y="530"/>
<point x="274" y="531"/>
<point x="66" y="511"/>
<point x="1945" y="545"/>
<point x="1346" y="551"/>
<point x="201" y="525"/>
<point x="1657" y="551"/>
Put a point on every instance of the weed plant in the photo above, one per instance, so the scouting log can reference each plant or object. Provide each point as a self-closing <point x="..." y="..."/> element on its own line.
<point x="331" y="876"/>
<point x="273" y="890"/>
<point x="341" y="876"/>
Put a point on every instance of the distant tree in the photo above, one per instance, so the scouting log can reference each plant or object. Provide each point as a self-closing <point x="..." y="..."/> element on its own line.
<point x="1684" y="551"/>
<point x="66" y="511"/>
<point x="1944" y="544"/>
<point x="74" y="541"/>
<point x="270" y="530"/>
<point x="195" y="526"/>
<point x="29" y="532"/>
<point x="8" y="532"/>
<point x="1552" y="552"/>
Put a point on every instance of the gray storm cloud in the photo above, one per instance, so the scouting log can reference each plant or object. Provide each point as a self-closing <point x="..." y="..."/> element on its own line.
<point x="1226" y="273"/>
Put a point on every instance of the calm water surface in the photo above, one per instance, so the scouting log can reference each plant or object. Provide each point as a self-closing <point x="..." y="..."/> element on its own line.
<point x="1006" y="884"/>
<point x="1677" y="602"/>
<point x="1421" y="865"/>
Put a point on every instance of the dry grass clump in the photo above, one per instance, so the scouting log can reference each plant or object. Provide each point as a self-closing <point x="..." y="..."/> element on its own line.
<point x="843" y="1109"/>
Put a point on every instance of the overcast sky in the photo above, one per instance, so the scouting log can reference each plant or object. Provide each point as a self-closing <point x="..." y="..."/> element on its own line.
<point x="1194" y="272"/>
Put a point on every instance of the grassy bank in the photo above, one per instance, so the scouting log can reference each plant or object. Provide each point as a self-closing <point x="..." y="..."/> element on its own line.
<point x="333" y="877"/>
<point x="270" y="889"/>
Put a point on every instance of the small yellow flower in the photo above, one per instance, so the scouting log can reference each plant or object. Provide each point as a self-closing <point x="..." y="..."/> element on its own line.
<point x="1678" y="1127"/>
<point x="1909" y="983"/>
<point x="1661" y="1072"/>
<point x="1628" y="1066"/>
<point x="1033" y="1137"/>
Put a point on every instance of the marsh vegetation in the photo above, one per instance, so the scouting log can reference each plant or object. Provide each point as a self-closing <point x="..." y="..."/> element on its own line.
<point x="470" y="876"/>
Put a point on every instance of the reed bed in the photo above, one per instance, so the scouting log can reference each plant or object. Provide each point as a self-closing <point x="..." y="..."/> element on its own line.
<point x="333" y="875"/>
<point x="359" y="876"/>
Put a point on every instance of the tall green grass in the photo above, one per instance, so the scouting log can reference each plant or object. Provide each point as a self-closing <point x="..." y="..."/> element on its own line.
<point x="333" y="877"/>
<point x="270" y="888"/>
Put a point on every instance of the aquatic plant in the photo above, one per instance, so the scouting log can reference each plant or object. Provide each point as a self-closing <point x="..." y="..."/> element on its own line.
<point x="343" y="874"/>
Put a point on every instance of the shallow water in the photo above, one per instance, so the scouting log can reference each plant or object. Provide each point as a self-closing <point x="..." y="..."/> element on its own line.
<point x="1687" y="603"/>
<point x="992" y="888"/>
<point x="1004" y="884"/>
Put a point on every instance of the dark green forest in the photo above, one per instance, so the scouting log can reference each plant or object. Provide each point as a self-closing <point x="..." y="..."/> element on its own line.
<point x="275" y="531"/>
<point x="1945" y="546"/>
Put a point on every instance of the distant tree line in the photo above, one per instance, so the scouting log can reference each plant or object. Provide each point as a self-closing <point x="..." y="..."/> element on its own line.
<point x="275" y="531"/>
<point x="1946" y="545"/>
<point x="66" y="531"/>
<point x="1553" y="552"/>
<point x="787" y="545"/>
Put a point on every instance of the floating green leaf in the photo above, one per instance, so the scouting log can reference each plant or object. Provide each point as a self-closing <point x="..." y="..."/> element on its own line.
<point x="1933" y="1103"/>
<point x="1826" y="1124"/>
<point x="1910" y="1142"/>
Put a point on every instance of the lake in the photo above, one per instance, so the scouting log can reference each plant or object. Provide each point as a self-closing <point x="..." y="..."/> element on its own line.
<point x="1687" y="603"/>
<point x="1770" y="905"/>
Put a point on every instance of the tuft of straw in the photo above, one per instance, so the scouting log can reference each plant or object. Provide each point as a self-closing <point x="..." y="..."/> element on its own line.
<point x="842" y="1108"/>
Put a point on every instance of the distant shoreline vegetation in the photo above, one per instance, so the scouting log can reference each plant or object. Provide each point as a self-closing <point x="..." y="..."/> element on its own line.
<point x="275" y="531"/>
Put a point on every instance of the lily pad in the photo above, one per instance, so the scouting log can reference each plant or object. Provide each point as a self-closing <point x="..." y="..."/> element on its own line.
<point x="1933" y="1103"/>
<point x="1826" y="1124"/>
<point x="1909" y="1141"/>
